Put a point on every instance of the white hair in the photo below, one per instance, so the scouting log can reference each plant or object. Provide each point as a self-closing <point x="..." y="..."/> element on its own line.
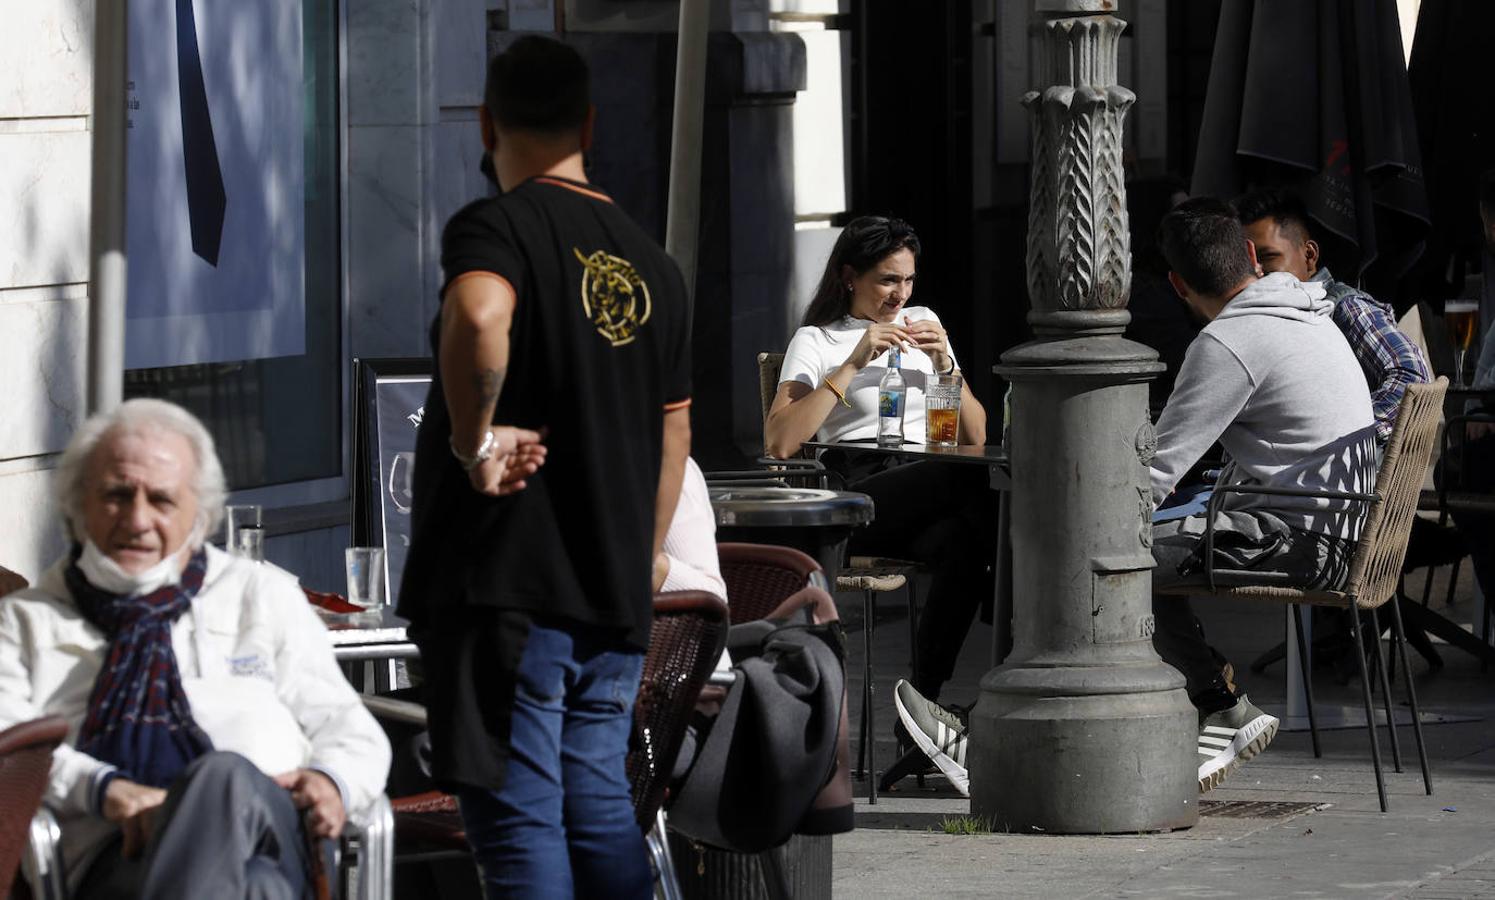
<point x="135" y="417"/>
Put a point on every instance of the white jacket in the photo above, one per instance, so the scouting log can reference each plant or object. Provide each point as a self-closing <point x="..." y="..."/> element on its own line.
<point x="255" y="662"/>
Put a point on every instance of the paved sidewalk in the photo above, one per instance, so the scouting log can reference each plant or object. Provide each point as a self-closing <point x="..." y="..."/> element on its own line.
<point x="1337" y="844"/>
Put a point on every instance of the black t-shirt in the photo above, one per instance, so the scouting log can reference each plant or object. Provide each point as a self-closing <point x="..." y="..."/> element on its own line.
<point x="599" y="350"/>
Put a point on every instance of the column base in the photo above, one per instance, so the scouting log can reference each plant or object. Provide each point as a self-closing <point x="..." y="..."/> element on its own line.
<point x="1107" y="758"/>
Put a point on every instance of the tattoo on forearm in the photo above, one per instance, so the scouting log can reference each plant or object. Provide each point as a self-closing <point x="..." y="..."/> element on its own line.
<point x="488" y="383"/>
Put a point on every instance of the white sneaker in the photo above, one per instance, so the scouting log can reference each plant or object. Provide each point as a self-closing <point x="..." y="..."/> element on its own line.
<point x="1229" y="738"/>
<point x="937" y="731"/>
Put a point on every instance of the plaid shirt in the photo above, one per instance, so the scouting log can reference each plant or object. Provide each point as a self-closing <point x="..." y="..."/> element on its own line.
<point x="1388" y="357"/>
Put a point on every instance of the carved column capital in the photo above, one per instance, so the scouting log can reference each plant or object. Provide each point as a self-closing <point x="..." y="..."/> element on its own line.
<point x="1079" y="248"/>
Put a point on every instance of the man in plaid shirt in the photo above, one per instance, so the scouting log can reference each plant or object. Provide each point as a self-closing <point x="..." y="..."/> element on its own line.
<point x="1276" y="222"/>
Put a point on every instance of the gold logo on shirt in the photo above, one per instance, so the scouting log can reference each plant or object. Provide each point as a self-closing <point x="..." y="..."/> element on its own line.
<point x="614" y="296"/>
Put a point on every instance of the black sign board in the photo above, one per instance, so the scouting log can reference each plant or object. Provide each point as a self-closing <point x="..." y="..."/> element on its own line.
<point x="389" y="400"/>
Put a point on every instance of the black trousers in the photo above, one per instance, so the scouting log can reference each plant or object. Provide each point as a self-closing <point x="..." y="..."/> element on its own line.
<point x="944" y="516"/>
<point x="225" y="830"/>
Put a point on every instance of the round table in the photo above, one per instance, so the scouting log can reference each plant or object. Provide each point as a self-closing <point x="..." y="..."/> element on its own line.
<point x="815" y="521"/>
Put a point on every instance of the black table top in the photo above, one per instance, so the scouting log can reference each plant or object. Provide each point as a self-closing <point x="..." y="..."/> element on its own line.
<point x="985" y="454"/>
<point x="753" y="507"/>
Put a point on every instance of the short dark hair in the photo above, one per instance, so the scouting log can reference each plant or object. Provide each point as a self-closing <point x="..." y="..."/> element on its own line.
<point x="864" y="242"/>
<point x="1487" y="192"/>
<point x="1284" y="206"/>
<point x="1203" y="241"/>
<point x="538" y="84"/>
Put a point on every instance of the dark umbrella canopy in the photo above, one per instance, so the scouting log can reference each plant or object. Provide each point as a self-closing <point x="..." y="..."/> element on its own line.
<point x="1449" y="74"/>
<point x="1313" y="95"/>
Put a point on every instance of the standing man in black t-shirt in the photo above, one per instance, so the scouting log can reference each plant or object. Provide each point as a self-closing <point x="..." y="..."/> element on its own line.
<point x="547" y="468"/>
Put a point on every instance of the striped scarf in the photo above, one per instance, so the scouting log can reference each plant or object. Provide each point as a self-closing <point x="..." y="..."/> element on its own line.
<point x="138" y="716"/>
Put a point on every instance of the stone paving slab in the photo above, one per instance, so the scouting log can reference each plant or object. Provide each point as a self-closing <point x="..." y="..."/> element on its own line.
<point x="1428" y="848"/>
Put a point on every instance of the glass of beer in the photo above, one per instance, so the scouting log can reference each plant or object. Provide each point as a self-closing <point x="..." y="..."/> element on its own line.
<point x="942" y="410"/>
<point x="1461" y="317"/>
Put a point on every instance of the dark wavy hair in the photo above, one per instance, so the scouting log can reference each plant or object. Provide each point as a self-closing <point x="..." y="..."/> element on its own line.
<point x="864" y="243"/>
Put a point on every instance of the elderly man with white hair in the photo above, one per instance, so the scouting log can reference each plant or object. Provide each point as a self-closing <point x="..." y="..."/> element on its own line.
<point x="213" y="738"/>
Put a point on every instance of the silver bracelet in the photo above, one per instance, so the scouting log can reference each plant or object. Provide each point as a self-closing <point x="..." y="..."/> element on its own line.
<point x="485" y="451"/>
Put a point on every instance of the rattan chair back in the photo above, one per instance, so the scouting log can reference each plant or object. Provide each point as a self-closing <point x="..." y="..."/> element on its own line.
<point x="25" y="764"/>
<point x="759" y="577"/>
<point x="1375" y="570"/>
<point x="769" y="365"/>
<point x="690" y="629"/>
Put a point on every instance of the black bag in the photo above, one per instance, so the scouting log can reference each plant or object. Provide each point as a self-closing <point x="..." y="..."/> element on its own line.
<point x="772" y="750"/>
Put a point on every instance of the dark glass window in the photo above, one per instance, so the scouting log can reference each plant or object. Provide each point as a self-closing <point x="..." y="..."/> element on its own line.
<point x="279" y="420"/>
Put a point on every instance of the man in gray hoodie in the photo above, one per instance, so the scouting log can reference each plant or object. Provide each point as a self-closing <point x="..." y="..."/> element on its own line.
<point x="1273" y="380"/>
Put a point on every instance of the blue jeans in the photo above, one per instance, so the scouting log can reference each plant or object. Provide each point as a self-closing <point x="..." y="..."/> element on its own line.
<point x="563" y="825"/>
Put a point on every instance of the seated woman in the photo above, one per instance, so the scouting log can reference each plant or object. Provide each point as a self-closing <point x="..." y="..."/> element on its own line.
<point x="942" y="515"/>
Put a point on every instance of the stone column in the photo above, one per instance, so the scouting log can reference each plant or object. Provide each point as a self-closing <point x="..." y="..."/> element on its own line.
<point x="1083" y="729"/>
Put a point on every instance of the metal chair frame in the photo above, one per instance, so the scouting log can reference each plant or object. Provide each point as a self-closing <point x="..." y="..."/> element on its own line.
<point x="1375" y="567"/>
<point x="365" y="856"/>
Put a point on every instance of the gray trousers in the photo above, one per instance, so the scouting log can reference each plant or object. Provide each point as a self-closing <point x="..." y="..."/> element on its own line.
<point x="225" y="830"/>
<point x="1244" y="539"/>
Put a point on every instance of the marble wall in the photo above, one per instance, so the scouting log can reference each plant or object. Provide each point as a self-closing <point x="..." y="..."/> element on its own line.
<point x="46" y="83"/>
<point x="413" y="82"/>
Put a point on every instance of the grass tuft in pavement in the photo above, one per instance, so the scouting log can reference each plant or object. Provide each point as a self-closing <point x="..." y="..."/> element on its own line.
<point x="966" y="825"/>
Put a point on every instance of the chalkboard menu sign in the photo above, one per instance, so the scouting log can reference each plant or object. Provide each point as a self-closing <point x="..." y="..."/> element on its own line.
<point x="390" y="397"/>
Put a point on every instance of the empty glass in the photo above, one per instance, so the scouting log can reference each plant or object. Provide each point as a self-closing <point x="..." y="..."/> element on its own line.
<point x="365" y="576"/>
<point x="249" y="543"/>
<point x="244" y="517"/>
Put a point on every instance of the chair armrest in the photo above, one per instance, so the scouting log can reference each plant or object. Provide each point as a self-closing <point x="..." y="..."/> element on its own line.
<point x="1296" y="492"/>
<point x="790" y="463"/>
<point x="375" y="832"/>
<point x="41" y="865"/>
<point x="1219" y="495"/>
<point x="405" y="712"/>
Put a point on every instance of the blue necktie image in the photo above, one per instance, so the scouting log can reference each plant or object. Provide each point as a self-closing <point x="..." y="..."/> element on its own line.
<point x="205" y="196"/>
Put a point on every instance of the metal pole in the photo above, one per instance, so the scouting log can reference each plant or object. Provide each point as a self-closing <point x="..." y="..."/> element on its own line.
<point x="683" y="220"/>
<point x="1083" y="729"/>
<point x="106" y="233"/>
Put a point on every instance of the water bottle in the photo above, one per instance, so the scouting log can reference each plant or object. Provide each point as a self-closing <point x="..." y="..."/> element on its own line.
<point x="890" y="395"/>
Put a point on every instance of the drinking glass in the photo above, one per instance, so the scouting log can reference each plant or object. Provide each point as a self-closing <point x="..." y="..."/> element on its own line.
<point x="942" y="410"/>
<point x="246" y="516"/>
<point x="365" y="576"/>
<point x="249" y="543"/>
<point x="1461" y="318"/>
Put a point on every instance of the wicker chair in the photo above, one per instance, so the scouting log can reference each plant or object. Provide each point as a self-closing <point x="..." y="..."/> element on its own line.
<point x="1375" y="568"/>
<point x="869" y="576"/>
<point x="25" y="764"/>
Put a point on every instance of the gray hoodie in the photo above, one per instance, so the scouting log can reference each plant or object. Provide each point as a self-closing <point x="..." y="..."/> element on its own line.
<point x="1274" y="381"/>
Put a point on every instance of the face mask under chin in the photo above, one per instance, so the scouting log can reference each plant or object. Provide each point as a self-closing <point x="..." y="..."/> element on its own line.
<point x="107" y="575"/>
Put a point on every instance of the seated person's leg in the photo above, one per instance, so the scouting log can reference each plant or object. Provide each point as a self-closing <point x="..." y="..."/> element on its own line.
<point x="961" y="581"/>
<point x="515" y="832"/>
<point x="608" y="856"/>
<point x="1177" y="637"/>
<point x="943" y="516"/>
<point x="111" y="875"/>
<point x="226" y="830"/>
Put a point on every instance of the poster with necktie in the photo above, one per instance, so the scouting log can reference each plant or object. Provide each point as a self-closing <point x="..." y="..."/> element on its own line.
<point x="215" y="183"/>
